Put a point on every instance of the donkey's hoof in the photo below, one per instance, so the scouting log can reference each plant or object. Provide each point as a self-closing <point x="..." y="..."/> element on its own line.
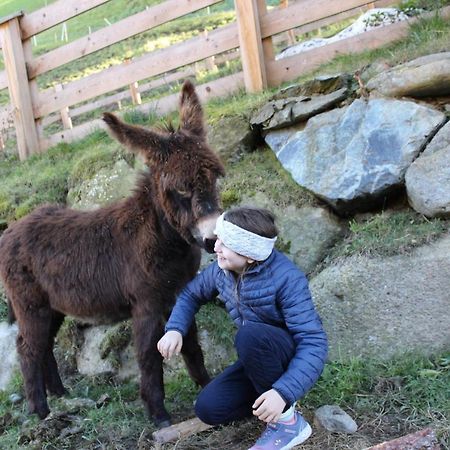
<point x="42" y="412"/>
<point x="163" y="423"/>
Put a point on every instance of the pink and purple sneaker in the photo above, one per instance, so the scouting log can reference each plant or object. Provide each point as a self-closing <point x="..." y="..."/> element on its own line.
<point x="283" y="436"/>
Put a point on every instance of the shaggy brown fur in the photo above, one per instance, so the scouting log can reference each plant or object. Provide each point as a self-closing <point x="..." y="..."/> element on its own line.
<point x="129" y="259"/>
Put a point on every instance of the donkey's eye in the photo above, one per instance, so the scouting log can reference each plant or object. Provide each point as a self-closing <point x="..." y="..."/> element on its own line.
<point x="184" y="194"/>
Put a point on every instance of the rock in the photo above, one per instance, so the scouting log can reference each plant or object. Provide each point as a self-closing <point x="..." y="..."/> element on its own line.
<point x="285" y="112"/>
<point x="305" y="234"/>
<point x="355" y="156"/>
<point x="373" y="18"/>
<point x="427" y="76"/>
<point x="106" y="185"/>
<point x="420" y="440"/>
<point x="383" y="307"/>
<point x="323" y="84"/>
<point x="74" y="405"/>
<point x="428" y="177"/>
<point x="90" y="361"/>
<point x="8" y="353"/>
<point x="232" y="136"/>
<point x="15" y="398"/>
<point x="334" y="419"/>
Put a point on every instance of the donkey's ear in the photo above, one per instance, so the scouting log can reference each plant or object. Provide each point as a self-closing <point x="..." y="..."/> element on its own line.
<point x="149" y="143"/>
<point x="191" y="111"/>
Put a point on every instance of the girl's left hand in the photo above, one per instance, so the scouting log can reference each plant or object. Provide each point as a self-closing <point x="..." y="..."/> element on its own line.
<point x="269" y="406"/>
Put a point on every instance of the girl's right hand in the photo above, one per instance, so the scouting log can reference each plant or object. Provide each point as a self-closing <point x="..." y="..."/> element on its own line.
<point x="170" y="343"/>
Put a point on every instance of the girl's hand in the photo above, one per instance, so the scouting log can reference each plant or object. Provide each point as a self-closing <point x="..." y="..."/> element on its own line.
<point x="269" y="406"/>
<point x="170" y="343"/>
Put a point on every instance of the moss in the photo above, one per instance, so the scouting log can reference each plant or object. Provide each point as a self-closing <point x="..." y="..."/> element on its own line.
<point x="70" y="340"/>
<point x="115" y="340"/>
<point x="283" y="245"/>
<point x="230" y="197"/>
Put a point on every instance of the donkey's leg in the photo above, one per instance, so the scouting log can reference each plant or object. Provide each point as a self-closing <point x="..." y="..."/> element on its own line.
<point x="193" y="357"/>
<point x="147" y="330"/>
<point x="32" y="342"/>
<point x="52" y="379"/>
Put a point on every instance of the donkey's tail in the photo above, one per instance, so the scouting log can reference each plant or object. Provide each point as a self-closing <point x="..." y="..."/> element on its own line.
<point x="11" y="315"/>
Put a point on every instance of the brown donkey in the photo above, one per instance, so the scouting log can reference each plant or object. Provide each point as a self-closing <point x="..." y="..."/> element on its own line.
<point x="129" y="259"/>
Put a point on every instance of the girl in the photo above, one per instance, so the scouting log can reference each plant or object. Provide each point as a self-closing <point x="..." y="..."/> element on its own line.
<point x="280" y="342"/>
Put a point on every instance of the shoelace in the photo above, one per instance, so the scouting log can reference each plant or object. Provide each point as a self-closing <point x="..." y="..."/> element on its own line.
<point x="270" y="429"/>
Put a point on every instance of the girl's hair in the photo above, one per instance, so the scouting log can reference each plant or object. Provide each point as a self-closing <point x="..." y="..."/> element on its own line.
<point x="257" y="220"/>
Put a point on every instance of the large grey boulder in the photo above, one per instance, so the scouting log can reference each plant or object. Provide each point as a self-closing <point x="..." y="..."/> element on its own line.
<point x="8" y="353"/>
<point x="354" y="156"/>
<point x="423" y="77"/>
<point x="107" y="185"/>
<point x="428" y="177"/>
<point x="382" y="307"/>
<point x="232" y="136"/>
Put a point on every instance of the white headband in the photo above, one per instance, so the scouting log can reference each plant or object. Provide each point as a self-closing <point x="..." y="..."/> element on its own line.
<point x="243" y="241"/>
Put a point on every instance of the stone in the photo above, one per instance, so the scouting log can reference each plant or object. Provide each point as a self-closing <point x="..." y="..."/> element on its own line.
<point x="382" y="307"/>
<point x="15" y="398"/>
<point x="107" y="185"/>
<point x="373" y="18"/>
<point x="285" y="112"/>
<point x="8" y="353"/>
<point x="323" y="84"/>
<point x="354" y="157"/>
<point x="232" y="136"/>
<point x="306" y="234"/>
<point x="428" y="178"/>
<point x="334" y="419"/>
<point x="426" y="76"/>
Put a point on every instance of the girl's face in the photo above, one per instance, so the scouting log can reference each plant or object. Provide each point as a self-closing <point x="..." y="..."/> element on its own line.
<point x="229" y="260"/>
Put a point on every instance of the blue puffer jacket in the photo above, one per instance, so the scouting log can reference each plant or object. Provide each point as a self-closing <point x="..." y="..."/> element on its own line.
<point x="274" y="292"/>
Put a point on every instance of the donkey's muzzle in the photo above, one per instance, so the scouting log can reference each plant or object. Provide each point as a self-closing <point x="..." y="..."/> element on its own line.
<point x="208" y="245"/>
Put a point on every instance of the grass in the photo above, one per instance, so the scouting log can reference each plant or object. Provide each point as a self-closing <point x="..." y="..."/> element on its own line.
<point x="408" y="392"/>
<point x="260" y="172"/>
<point x="389" y="233"/>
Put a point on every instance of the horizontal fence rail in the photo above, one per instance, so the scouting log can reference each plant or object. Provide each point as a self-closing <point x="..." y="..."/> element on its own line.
<point x="249" y="38"/>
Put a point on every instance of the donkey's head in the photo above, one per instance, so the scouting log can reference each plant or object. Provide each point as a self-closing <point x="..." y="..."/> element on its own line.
<point x="184" y="168"/>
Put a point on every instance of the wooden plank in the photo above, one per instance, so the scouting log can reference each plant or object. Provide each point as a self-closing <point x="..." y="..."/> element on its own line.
<point x="123" y="29"/>
<point x="420" y="440"/>
<point x="54" y="14"/>
<point x="287" y="69"/>
<point x="250" y="43"/>
<point x="102" y="102"/>
<point x="179" y="431"/>
<point x="146" y="66"/>
<point x="303" y="12"/>
<point x="19" y="90"/>
<point x="217" y="88"/>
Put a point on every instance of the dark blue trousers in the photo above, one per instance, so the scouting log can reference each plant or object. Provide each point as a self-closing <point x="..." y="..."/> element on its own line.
<point x="264" y="353"/>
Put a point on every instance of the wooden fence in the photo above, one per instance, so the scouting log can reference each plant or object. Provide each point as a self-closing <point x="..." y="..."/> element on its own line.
<point x="31" y="108"/>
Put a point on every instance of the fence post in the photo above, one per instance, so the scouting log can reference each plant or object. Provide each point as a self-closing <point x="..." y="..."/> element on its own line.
<point x="251" y="48"/>
<point x="134" y="89"/>
<point x="18" y="86"/>
<point x="64" y="112"/>
<point x="267" y="42"/>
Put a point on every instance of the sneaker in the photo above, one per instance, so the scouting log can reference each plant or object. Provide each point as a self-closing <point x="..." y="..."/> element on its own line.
<point x="279" y="436"/>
